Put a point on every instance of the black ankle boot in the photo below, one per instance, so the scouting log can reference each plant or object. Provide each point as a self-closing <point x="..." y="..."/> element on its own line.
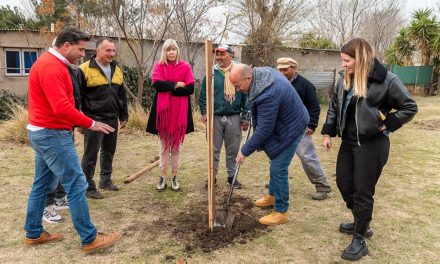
<point x="358" y="247"/>
<point x="348" y="228"/>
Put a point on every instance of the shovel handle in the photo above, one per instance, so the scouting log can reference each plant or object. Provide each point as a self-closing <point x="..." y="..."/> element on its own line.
<point x="237" y="166"/>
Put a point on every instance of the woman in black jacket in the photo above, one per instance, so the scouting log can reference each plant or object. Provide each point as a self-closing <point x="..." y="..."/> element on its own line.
<point x="360" y="113"/>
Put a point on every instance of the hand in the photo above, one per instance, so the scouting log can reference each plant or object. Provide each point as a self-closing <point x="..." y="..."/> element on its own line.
<point x="101" y="127"/>
<point x="180" y="85"/>
<point x="122" y="124"/>
<point x="240" y="158"/>
<point x="204" y="118"/>
<point x="383" y="128"/>
<point x="326" y="142"/>
<point x="244" y="126"/>
<point x="310" y="131"/>
<point x="80" y="130"/>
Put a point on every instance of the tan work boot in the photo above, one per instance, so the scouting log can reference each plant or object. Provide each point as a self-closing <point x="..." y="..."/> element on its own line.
<point x="266" y="200"/>
<point x="102" y="241"/>
<point x="274" y="218"/>
<point x="45" y="237"/>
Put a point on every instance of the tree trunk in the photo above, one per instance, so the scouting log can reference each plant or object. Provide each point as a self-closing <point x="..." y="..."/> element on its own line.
<point x="425" y="56"/>
<point x="140" y="86"/>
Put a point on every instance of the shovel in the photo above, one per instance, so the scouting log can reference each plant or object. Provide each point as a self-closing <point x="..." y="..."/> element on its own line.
<point x="224" y="217"/>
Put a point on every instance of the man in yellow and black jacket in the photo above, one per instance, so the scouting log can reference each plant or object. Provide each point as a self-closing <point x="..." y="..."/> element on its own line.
<point x="103" y="98"/>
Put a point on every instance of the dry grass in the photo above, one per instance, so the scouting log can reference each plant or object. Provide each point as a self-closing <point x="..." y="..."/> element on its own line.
<point x="137" y="121"/>
<point x="14" y="129"/>
<point x="405" y="220"/>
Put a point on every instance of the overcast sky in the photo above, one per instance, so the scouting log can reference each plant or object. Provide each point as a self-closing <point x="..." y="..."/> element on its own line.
<point x="410" y="4"/>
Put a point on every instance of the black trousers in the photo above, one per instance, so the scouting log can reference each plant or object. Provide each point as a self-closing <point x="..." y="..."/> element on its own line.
<point x="58" y="194"/>
<point x="105" y="144"/>
<point x="358" y="169"/>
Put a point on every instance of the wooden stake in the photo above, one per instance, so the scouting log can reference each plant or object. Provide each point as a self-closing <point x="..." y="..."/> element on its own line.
<point x="139" y="173"/>
<point x="210" y="130"/>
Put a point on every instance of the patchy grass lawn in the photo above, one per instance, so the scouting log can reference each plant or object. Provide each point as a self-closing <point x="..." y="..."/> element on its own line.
<point x="405" y="221"/>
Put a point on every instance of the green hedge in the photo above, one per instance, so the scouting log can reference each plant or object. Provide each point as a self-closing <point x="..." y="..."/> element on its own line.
<point x="9" y="99"/>
<point x="130" y="79"/>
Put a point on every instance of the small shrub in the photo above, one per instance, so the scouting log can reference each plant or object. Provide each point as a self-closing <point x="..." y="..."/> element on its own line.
<point x="137" y="121"/>
<point x="130" y="79"/>
<point x="8" y="100"/>
<point x="199" y="125"/>
<point x="322" y="97"/>
<point x="14" y="129"/>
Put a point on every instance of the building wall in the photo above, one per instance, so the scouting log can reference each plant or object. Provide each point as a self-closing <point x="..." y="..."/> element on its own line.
<point x="318" y="66"/>
<point x="18" y="39"/>
<point x="308" y="60"/>
<point x="126" y="57"/>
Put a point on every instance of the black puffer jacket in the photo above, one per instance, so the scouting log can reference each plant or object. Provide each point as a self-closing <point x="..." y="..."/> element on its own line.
<point x="384" y="93"/>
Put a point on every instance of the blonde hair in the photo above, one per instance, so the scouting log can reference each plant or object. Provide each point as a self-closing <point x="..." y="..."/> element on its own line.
<point x="363" y="55"/>
<point x="169" y="43"/>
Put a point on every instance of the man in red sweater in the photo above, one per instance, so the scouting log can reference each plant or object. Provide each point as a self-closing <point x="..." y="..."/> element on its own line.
<point x="52" y="116"/>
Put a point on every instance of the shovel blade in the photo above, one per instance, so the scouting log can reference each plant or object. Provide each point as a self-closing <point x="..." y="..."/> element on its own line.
<point x="224" y="218"/>
<point x="220" y="218"/>
<point x="229" y="220"/>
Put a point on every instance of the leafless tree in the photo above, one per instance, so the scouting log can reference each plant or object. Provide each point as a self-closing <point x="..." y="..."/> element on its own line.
<point x="266" y="23"/>
<point x="139" y="20"/>
<point x="341" y="20"/>
<point x="95" y="16"/>
<point x="77" y="8"/>
<point x="381" y="25"/>
<point x="194" y="23"/>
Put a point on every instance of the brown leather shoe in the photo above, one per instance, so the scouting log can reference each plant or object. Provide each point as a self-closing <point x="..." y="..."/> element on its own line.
<point x="45" y="237"/>
<point x="101" y="241"/>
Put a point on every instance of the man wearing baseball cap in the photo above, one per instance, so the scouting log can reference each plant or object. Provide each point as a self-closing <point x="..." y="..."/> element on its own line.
<point x="306" y="149"/>
<point x="230" y="109"/>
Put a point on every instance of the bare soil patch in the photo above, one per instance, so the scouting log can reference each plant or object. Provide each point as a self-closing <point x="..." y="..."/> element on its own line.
<point x="190" y="226"/>
<point x="433" y="124"/>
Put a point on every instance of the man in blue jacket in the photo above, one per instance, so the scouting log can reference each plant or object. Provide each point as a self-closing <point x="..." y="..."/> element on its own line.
<point x="280" y="120"/>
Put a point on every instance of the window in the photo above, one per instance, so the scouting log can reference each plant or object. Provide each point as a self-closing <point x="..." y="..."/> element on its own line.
<point x="29" y="57"/>
<point x="19" y="61"/>
<point x="12" y="62"/>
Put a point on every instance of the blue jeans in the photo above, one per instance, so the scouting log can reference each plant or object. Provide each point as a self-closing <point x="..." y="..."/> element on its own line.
<point x="56" y="161"/>
<point x="279" y="176"/>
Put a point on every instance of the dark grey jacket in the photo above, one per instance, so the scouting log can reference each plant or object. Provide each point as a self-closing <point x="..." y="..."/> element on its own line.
<point x="384" y="93"/>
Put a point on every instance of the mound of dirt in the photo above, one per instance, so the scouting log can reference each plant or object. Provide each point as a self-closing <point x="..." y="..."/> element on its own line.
<point x="190" y="226"/>
<point x="429" y="124"/>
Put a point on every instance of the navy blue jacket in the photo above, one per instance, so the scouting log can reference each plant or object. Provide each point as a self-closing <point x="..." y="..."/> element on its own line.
<point x="278" y="114"/>
<point x="307" y="92"/>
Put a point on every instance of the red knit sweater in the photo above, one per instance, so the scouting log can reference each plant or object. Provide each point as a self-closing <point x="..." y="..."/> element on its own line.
<point x="50" y="95"/>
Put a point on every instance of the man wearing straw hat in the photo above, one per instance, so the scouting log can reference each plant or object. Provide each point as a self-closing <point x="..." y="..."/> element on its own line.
<point x="306" y="149"/>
